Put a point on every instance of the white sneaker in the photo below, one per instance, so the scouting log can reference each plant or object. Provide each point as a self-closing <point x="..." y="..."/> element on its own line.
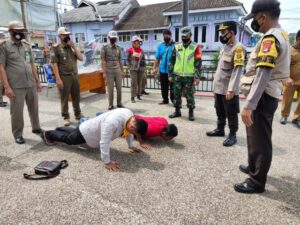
<point x="67" y="122"/>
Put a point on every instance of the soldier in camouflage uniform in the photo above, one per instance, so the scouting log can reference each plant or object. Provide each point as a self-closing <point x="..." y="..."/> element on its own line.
<point x="184" y="72"/>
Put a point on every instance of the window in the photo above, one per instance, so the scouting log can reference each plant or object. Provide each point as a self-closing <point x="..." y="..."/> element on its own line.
<point x="124" y="37"/>
<point x="217" y="33"/>
<point x="196" y="30"/>
<point x="176" y="34"/>
<point x="204" y="34"/>
<point x="100" y="38"/>
<point x="52" y="37"/>
<point x="158" y="35"/>
<point x="144" y="35"/>
<point x="79" y="37"/>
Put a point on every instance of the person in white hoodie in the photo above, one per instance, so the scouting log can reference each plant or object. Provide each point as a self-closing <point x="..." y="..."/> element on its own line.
<point x="100" y="132"/>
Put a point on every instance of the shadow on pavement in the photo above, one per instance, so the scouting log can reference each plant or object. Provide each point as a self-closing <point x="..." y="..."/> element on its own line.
<point x="288" y="191"/>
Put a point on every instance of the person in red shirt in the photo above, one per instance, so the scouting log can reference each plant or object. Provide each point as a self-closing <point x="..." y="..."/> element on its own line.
<point x="157" y="127"/>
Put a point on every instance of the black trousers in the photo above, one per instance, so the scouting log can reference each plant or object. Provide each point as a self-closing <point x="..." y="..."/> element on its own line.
<point x="227" y="109"/>
<point x="68" y="135"/>
<point x="165" y="86"/>
<point x="259" y="140"/>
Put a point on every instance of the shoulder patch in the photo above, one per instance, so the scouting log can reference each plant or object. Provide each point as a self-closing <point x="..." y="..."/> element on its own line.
<point x="239" y="56"/>
<point x="268" y="52"/>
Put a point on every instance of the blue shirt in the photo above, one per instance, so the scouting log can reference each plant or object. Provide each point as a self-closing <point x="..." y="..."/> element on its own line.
<point x="163" y="54"/>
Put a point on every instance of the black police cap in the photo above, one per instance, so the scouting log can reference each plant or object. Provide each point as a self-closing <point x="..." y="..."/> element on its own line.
<point x="228" y="25"/>
<point x="261" y="6"/>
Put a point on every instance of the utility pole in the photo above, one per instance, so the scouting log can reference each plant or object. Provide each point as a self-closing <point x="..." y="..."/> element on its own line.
<point x="185" y="13"/>
<point x="22" y="2"/>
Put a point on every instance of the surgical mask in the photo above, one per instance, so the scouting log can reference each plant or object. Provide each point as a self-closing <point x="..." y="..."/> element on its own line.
<point x="67" y="39"/>
<point x="167" y="39"/>
<point x="185" y="40"/>
<point x="19" y="36"/>
<point x="255" y="26"/>
<point x="224" y="39"/>
<point x="112" y="40"/>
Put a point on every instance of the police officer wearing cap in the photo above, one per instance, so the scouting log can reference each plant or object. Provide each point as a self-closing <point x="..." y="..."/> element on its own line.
<point x="112" y="66"/>
<point x="185" y="72"/>
<point x="20" y="79"/>
<point x="272" y="57"/>
<point x="64" y="58"/>
<point x="226" y="83"/>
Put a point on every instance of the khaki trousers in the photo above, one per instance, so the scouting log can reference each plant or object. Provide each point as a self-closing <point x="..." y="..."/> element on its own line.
<point x="71" y="87"/>
<point x="137" y="82"/>
<point x="288" y="94"/>
<point x="114" y="78"/>
<point x="28" y="95"/>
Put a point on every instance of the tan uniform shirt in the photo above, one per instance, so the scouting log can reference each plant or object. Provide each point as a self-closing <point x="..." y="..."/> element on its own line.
<point x="112" y="55"/>
<point x="295" y="65"/>
<point x="65" y="58"/>
<point x="231" y="63"/>
<point x="17" y="60"/>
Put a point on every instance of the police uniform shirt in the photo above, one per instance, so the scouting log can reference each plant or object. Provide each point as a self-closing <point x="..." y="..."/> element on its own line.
<point x="231" y="63"/>
<point x="17" y="60"/>
<point x="273" y="59"/>
<point x="112" y="55"/>
<point x="65" y="58"/>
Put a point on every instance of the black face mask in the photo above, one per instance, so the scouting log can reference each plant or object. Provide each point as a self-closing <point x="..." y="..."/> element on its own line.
<point x="224" y="39"/>
<point x="66" y="39"/>
<point x="167" y="40"/>
<point x="185" y="40"/>
<point x="112" y="41"/>
<point x="255" y="26"/>
<point x="19" y="36"/>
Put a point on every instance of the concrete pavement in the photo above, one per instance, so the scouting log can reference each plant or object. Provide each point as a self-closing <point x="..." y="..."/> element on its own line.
<point x="187" y="181"/>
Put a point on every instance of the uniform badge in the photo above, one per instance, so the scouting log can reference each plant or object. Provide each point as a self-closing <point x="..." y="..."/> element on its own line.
<point x="266" y="46"/>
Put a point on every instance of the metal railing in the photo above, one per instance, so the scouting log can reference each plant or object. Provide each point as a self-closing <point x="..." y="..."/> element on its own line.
<point x="204" y="86"/>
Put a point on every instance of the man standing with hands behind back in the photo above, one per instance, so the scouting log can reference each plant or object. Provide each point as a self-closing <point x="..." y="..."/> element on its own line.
<point x="64" y="58"/>
<point x="19" y="77"/>
<point x="273" y="58"/>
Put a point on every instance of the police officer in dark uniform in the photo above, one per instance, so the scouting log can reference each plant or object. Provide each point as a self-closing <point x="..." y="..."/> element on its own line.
<point x="272" y="57"/>
<point x="226" y="83"/>
<point x="64" y="58"/>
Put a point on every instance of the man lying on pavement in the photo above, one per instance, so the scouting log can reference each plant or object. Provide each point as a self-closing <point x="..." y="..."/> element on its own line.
<point x="100" y="132"/>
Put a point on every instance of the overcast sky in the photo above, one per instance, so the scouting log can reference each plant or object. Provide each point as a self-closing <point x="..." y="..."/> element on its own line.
<point x="290" y="11"/>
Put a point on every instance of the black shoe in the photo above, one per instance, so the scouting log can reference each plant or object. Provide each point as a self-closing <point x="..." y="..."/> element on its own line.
<point x="247" y="188"/>
<point x="177" y="113"/>
<point x="216" y="133"/>
<point x="244" y="169"/>
<point x="132" y="100"/>
<point x="121" y="106"/>
<point x="283" y="120"/>
<point x="230" y="140"/>
<point x="3" y="104"/>
<point x="144" y="93"/>
<point x="111" y="107"/>
<point x="191" y="115"/>
<point x="139" y="97"/>
<point x="163" y="103"/>
<point x="20" y="140"/>
<point x="37" y="131"/>
<point x="296" y="122"/>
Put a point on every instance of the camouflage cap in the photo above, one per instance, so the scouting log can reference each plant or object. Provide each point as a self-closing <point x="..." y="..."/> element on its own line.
<point x="186" y="31"/>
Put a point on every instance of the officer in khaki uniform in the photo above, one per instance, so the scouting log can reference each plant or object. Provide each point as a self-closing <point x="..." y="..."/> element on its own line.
<point x="20" y="80"/>
<point x="185" y="72"/>
<point x="292" y="85"/>
<point x="112" y="66"/>
<point x="64" y="58"/>
<point x="272" y="67"/>
<point x="226" y="83"/>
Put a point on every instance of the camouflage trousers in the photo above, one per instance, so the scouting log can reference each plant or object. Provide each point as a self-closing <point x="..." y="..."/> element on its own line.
<point x="184" y="86"/>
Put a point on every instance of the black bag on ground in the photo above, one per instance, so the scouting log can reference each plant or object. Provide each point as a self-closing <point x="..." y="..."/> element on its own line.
<point x="46" y="170"/>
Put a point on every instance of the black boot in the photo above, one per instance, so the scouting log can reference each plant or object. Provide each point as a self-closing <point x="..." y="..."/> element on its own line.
<point x="139" y="97"/>
<point x="216" y="133"/>
<point x="177" y="113"/>
<point x="230" y="140"/>
<point x="191" y="114"/>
